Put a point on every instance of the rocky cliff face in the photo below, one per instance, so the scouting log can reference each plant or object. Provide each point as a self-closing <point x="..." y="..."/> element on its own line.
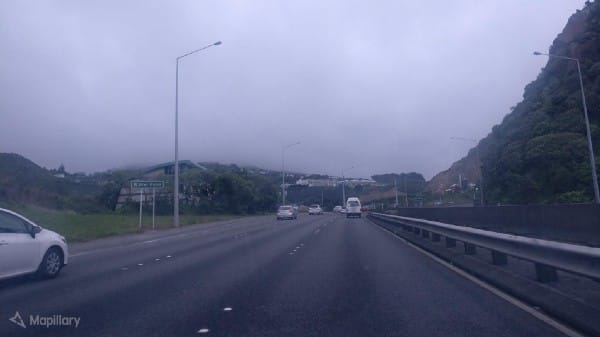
<point x="469" y="167"/>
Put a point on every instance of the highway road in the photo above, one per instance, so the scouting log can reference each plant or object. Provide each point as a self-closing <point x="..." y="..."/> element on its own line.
<point x="315" y="276"/>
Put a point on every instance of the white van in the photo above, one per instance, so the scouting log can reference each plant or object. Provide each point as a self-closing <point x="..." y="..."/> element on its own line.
<point x="353" y="207"/>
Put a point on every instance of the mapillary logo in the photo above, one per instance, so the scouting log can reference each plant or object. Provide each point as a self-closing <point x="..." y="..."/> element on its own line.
<point x="17" y="320"/>
<point x="46" y="321"/>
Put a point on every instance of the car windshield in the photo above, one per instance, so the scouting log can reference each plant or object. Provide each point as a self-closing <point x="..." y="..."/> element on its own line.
<point x="300" y="168"/>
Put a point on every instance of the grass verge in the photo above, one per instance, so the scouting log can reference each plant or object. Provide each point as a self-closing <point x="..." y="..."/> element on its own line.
<point x="86" y="227"/>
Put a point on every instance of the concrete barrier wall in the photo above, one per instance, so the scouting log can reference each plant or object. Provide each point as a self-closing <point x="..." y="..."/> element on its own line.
<point x="570" y="223"/>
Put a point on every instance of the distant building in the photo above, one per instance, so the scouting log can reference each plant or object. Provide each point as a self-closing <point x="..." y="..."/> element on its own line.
<point x="361" y="182"/>
<point x="329" y="182"/>
<point x="127" y="194"/>
<point x="168" y="168"/>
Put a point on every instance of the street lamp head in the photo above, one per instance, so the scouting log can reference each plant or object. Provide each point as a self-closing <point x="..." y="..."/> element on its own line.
<point x="217" y="43"/>
<point x="537" y="53"/>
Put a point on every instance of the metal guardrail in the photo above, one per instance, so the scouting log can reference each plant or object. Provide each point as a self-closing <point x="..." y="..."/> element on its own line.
<point x="547" y="255"/>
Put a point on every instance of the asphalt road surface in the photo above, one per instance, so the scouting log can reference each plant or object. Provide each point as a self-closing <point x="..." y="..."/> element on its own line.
<point x="315" y="276"/>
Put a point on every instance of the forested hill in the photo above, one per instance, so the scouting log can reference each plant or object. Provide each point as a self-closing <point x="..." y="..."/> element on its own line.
<point x="213" y="188"/>
<point x="21" y="179"/>
<point x="538" y="153"/>
<point x="24" y="182"/>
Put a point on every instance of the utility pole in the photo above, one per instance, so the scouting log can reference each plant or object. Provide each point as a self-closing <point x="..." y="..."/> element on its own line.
<point x="396" y="188"/>
<point x="344" y="188"/>
<point x="405" y="191"/>
<point x="283" y="170"/>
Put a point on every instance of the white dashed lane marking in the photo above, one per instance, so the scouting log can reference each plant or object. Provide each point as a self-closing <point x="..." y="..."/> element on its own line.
<point x="141" y="264"/>
<point x="203" y="330"/>
<point x="296" y="249"/>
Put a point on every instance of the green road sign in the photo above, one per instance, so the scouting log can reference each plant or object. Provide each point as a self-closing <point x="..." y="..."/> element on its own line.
<point x="147" y="184"/>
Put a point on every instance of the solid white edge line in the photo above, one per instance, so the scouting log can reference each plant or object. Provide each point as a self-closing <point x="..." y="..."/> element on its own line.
<point x="510" y="299"/>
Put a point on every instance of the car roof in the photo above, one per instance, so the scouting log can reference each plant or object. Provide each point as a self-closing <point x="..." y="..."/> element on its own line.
<point x="18" y="215"/>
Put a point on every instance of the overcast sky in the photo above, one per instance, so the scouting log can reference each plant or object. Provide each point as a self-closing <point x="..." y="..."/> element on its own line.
<point x="378" y="85"/>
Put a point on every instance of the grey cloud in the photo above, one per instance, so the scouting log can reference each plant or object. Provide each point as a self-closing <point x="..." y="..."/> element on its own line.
<point x="381" y="86"/>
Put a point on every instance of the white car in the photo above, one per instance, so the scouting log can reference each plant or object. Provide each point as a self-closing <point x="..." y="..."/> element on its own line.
<point x="338" y="209"/>
<point x="28" y="248"/>
<point x="315" y="210"/>
<point x="286" y="212"/>
<point x="353" y="207"/>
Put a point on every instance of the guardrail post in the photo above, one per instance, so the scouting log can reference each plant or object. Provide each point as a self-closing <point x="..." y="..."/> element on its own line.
<point x="499" y="259"/>
<point x="450" y="242"/>
<point x="435" y="237"/>
<point x="545" y="273"/>
<point x="470" y="249"/>
<point x="425" y="233"/>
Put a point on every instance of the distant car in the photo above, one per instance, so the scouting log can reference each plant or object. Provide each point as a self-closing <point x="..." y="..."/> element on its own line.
<point x="337" y="209"/>
<point x="315" y="210"/>
<point x="353" y="207"/>
<point x="302" y="209"/>
<point x="27" y="248"/>
<point x="286" y="212"/>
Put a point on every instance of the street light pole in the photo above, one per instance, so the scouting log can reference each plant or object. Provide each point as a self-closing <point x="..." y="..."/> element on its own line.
<point x="344" y="187"/>
<point x="176" y="167"/>
<point x="283" y="171"/>
<point x="587" y="124"/>
<point x="481" y="200"/>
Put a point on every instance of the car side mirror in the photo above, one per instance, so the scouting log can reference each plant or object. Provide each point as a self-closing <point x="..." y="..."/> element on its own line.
<point x="34" y="231"/>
